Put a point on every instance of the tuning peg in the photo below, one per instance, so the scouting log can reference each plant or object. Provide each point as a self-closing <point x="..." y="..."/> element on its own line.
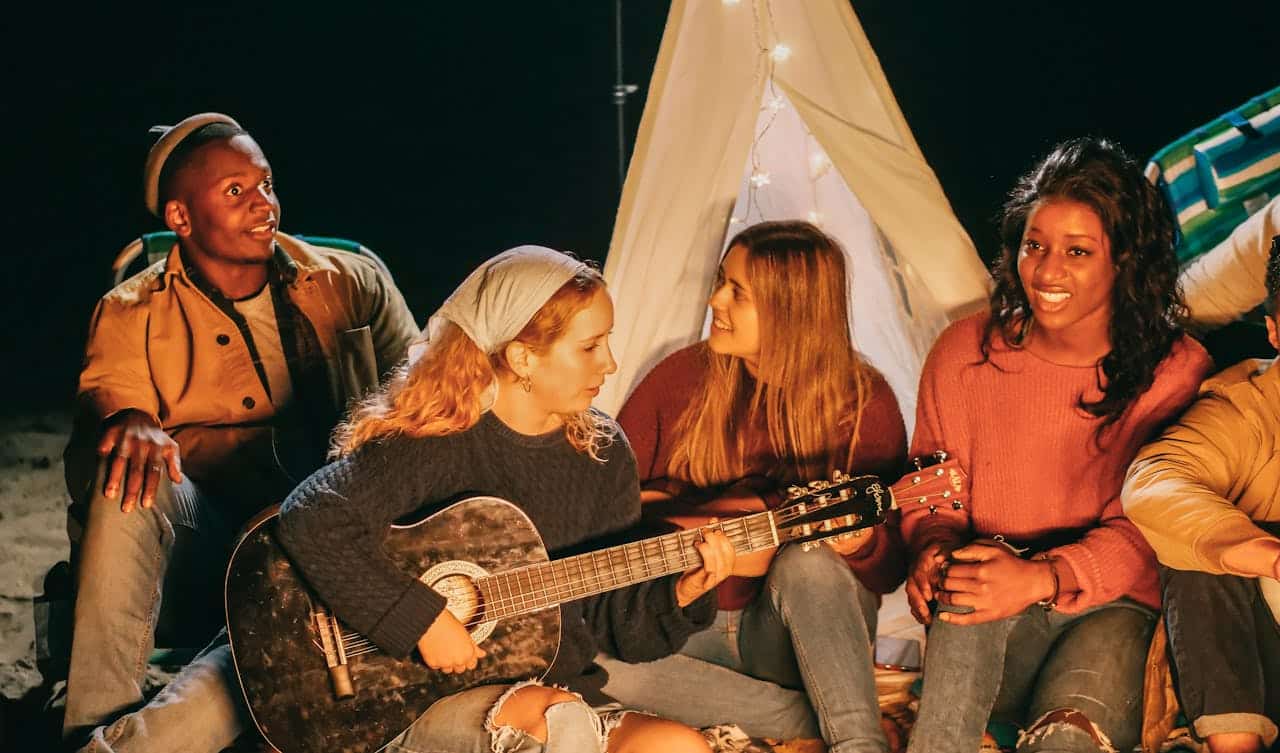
<point x="941" y="455"/>
<point x="795" y="492"/>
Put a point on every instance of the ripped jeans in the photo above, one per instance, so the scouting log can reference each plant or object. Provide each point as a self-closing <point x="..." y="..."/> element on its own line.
<point x="1049" y="670"/>
<point x="463" y="723"/>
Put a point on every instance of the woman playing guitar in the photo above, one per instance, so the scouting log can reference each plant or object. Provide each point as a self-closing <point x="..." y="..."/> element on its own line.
<point x="499" y="403"/>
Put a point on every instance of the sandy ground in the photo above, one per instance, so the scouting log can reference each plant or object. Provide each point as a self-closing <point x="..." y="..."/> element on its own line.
<point x="33" y="538"/>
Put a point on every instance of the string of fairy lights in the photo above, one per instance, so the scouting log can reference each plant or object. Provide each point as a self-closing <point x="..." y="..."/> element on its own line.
<point x="773" y="103"/>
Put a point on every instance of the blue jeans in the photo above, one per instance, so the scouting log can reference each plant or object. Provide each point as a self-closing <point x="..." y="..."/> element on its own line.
<point x="1031" y="667"/>
<point x="464" y="723"/>
<point x="1225" y="645"/>
<point x="199" y="711"/>
<point x="123" y="563"/>
<point x="796" y="662"/>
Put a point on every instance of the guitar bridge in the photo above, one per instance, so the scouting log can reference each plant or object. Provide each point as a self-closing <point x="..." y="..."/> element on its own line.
<point x="335" y="653"/>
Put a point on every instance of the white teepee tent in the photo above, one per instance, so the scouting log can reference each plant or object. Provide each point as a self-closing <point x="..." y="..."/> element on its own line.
<point x="777" y="109"/>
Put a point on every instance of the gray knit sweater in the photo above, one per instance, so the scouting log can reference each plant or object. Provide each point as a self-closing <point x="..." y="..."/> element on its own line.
<point x="333" y="525"/>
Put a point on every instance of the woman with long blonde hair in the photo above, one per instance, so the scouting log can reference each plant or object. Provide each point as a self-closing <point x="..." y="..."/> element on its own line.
<point x="777" y="395"/>
<point x="499" y="403"/>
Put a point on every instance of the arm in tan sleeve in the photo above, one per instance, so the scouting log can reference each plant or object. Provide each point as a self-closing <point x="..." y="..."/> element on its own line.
<point x="1179" y="488"/>
<point x="390" y="321"/>
<point x="116" y="374"/>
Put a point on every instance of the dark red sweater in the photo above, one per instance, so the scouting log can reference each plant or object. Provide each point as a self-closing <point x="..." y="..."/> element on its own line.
<point x="649" y="418"/>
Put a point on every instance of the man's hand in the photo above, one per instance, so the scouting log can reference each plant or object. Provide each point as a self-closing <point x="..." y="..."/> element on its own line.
<point x="447" y="646"/>
<point x="923" y="578"/>
<point x="994" y="581"/>
<point x="140" y="452"/>
<point x="718" y="558"/>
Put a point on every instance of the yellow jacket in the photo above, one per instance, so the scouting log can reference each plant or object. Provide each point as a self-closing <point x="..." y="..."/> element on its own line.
<point x="159" y="345"/>
<point x="1196" y="490"/>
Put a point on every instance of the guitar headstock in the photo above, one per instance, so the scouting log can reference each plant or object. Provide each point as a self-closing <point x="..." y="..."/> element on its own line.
<point x="845" y="504"/>
<point x="935" y="481"/>
<point x="823" y="509"/>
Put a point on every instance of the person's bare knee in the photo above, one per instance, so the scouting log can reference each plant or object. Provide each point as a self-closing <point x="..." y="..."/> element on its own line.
<point x="1235" y="742"/>
<point x="640" y="733"/>
<point x="1064" y="721"/>
<point x="526" y="709"/>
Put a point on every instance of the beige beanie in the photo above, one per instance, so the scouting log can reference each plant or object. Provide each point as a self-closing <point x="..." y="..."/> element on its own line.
<point x="172" y="136"/>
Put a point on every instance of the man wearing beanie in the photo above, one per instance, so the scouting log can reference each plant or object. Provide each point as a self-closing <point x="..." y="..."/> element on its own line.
<point x="211" y="381"/>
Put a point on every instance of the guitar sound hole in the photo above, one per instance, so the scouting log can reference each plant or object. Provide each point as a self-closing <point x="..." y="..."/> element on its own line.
<point x="464" y="598"/>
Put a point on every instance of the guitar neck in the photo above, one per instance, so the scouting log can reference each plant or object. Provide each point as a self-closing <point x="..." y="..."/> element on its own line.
<point x="535" y="587"/>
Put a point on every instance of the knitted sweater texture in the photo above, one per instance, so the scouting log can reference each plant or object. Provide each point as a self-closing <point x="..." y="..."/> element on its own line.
<point x="333" y="524"/>
<point x="653" y="410"/>
<point x="1040" y="476"/>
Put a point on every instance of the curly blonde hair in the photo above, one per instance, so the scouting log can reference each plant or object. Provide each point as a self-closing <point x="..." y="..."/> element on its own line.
<point x="446" y="389"/>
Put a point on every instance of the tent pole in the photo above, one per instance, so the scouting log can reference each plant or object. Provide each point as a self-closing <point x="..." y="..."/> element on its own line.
<point x="620" y="92"/>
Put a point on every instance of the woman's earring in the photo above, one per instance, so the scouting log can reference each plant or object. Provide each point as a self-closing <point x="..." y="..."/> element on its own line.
<point x="526" y="384"/>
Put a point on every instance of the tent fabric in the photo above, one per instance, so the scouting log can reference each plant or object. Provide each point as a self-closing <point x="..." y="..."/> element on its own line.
<point x="722" y="97"/>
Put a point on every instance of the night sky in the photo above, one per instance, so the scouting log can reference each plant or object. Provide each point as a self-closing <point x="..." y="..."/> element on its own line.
<point x="439" y="134"/>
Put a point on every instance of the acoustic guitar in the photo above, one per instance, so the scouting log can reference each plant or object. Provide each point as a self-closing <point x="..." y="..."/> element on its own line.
<point x="314" y="686"/>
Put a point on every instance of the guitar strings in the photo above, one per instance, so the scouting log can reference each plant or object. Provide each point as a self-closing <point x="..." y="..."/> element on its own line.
<point x="519" y="599"/>
<point x="514" y="604"/>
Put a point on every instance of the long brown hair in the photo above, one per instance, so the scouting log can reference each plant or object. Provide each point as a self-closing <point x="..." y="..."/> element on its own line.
<point x="812" y="385"/>
<point x="445" y="391"/>
<point x="1146" y="303"/>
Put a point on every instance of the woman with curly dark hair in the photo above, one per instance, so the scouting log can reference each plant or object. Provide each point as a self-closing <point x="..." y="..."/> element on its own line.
<point x="1045" y="593"/>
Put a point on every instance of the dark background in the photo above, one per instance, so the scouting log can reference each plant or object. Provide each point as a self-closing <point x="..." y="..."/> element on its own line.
<point x="441" y="133"/>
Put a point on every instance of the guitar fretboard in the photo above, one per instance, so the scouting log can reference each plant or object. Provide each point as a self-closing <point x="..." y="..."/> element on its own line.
<point x="535" y="587"/>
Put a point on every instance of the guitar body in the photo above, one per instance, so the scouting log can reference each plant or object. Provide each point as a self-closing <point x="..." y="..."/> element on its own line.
<point x="313" y="686"/>
<point x="275" y="640"/>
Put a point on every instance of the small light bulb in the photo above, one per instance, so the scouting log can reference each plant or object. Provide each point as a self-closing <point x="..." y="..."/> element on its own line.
<point x="734" y="220"/>
<point x="819" y="163"/>
<point x="815" y="217"/>
<point x="759" y="180"/>
<point x="731" y="2"/>
<point x="776" y="103"/>
<point x="780" y="53"/>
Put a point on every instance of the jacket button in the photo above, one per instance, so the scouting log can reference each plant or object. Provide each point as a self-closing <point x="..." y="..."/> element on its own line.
<point x="223" y="339"/>
<point x="248" y="403"/>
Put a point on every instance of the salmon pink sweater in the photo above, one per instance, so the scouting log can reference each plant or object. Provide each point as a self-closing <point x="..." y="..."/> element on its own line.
<point x="1039" y="475"/>
<point x="651" y="413"/>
